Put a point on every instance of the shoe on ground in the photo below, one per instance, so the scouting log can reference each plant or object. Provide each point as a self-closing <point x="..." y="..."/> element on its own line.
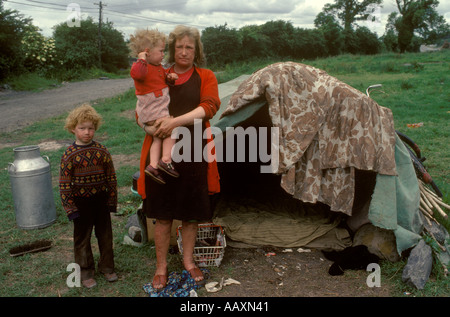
<point x="154" y="174"/>
<point x="111" y="277"/>
<point x="89" y="283"/>
<point x="198" y="276"/>
<point x="168" y="168"/>
<point x="160" y="279"/>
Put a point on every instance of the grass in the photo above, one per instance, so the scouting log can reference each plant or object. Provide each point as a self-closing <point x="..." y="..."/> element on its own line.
<point x="37" y="82"/>
<point x="415" y="87"/>
<point x="31" y="82"/>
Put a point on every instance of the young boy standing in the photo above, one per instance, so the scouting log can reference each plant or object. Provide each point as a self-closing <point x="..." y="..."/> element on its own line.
<point x="88" y="190"/>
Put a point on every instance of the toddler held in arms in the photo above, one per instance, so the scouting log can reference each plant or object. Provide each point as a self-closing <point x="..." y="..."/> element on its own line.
<point x="152" y="91"/>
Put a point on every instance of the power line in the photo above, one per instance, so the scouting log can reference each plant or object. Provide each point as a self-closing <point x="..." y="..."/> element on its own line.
<point x="35" y="5"/>
<point x="44" y="7"/>
<point x="55" y="4"/>
<point x="135" y="16"/>
<point x="153" y="6"/>
<point x="62" y="7"/>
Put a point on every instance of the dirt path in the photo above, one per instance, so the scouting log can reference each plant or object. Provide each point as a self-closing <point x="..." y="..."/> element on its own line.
<point x="19" y="109"/>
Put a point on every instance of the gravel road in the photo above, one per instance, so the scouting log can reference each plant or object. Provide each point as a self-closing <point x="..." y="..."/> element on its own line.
<point x="19" y="109"/>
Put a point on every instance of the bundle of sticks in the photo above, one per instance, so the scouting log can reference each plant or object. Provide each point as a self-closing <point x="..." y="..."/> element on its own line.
<point x="430" y="202"/>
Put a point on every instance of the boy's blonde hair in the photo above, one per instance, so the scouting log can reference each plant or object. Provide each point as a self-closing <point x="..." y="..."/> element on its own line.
<point x="81" y="114"/>
<point x="143" y="39"/>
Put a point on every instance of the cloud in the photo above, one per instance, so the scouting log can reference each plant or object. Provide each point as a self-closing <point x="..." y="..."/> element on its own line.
<point x="239" y="6"/>
<point x="127" y="15"/>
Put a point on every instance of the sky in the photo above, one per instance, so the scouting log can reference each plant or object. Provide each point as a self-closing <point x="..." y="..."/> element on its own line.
<point x="164" y="15"/>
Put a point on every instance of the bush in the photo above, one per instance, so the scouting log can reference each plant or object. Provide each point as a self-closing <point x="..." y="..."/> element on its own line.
<point x="309" y="44"/>
<point x="331" y="32"/>
<point x="77" y="47"/>
<point x="368" y="42"/>
<point x="39" y="52"/>
<point x="115" y="52"/>
<point x="221" y="45"/>
<point x="390" y="41"/>
<point x="282" y="37"/>
<point x="255" y="44"/>
<point x="281" y="40"/>
<point x="12" y="26"/>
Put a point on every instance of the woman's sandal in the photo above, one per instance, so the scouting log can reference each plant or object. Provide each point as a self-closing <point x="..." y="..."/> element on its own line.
<point x="159" y="279"/>
<point x="196" y="273"/>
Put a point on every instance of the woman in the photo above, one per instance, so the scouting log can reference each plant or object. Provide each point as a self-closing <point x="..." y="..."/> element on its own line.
<point x="194" y="96"/>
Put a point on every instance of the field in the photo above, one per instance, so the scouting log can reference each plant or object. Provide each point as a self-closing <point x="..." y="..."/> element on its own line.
<point x="415" y="87"/>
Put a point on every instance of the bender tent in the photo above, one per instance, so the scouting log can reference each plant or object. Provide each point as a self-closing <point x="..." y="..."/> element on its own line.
<point x="334" y="155"/>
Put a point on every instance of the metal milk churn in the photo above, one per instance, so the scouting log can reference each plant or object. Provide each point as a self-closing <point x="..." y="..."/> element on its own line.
<point x="31" y="186"/>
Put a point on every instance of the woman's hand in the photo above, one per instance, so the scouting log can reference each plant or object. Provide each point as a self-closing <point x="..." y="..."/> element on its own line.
<point x="164" y="127"/>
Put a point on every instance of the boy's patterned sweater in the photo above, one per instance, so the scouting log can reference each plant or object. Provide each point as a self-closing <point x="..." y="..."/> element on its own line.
<point x="84" y="172"/>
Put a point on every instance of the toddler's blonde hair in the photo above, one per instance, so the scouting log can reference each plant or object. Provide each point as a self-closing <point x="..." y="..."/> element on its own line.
<point x="81" y="114"/>
<point x="143" y="39"/>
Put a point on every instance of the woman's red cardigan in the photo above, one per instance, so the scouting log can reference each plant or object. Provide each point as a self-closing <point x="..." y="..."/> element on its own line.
<point x="210" y="102"/>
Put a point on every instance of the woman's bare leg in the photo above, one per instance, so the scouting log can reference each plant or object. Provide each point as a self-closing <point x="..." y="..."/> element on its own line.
<point x="162" y="243"/>
<point x="189" y="235"/>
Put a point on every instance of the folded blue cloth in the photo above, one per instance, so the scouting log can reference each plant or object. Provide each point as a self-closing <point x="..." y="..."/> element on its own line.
<point x="178" y="285"/>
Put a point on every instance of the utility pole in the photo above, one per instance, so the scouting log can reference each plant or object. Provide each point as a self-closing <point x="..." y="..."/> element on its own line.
<point x="100" y="9"/>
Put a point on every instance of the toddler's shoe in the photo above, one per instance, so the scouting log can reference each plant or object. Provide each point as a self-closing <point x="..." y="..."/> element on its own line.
<point x="154" y="174"/>
<point x="168" y="168"/>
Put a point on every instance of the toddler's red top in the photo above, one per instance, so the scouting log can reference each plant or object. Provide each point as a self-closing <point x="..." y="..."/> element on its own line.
<point x="148" y="78"/>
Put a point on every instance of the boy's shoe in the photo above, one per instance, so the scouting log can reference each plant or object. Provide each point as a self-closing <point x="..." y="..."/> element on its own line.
<point x="154" y="174"/>
<point x="111" y="277"/>
<point x="168" y="168"/>
<point x="89" y="283"/>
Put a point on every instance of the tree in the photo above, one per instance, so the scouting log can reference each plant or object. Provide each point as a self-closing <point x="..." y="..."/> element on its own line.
<point x="350" y="11"/>
<point x="309" y="44"/>
<point x="281" y="34"/>
<point x="390" y="38"/>
<point x="254" y="42"/>
<point x="77" y="47"/>
<point x="418" y="16"/>
<point x="221" y="44"/>
<point x="38" y="51"/>
<point x="115" y="51"/>
<point x="332" y="32"/>
<point x="367" y="41"/>
<point x="12" y="28"/>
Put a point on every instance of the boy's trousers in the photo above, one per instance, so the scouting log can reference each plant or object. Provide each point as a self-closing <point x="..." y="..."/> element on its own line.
<point x="94" y="214"/>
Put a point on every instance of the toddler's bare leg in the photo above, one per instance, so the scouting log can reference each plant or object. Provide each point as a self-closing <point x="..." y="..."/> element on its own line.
<point x="155" y="151"/>
<point x="167" y="145"/>
<point x="150" y="129"/>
